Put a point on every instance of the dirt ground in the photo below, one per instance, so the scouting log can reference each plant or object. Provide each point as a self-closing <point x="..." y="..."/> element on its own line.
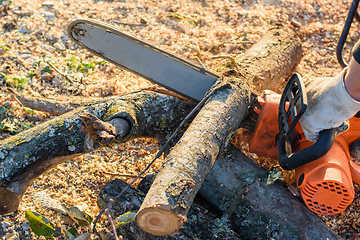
<point x="33" y="34"/>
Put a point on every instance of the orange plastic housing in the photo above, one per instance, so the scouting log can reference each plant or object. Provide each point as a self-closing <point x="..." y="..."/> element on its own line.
<point x="262" y="141"/>
<point x="326" y="183"/>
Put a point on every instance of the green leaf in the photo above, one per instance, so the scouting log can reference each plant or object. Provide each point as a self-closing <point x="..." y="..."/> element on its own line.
<point x="6" y="77"/>
<point x="28" y="111"/>
<point x="7" y="125"/>
<point x="3" y="110"/>
<point x="17" y="82"/>
<point x="47" y="69"/>
<point x="71" y="62"/>
<point x="71" y="233"/>
<point x="85" y="66"/>
<point x="125" y="218"/>
<point x="5" y="47"/>
<point x="40" y="225"/>
<point x="101" y="62"/>
<point x="82" y="217"/>
<point x="88" y="218"/>
<point x="23" y="125"/>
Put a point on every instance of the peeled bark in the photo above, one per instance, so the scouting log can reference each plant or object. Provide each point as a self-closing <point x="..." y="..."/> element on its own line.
<point x="27" y="155"/>
<point x="165" y="207"/>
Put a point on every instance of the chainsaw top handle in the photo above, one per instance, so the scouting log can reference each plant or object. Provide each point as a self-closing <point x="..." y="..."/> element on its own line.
<point x="292" y="106"/>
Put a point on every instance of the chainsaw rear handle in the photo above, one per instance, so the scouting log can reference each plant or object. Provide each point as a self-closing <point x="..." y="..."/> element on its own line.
<point x="289" y="161"/>
<point x="292" y="106"/>
<point x="353" y="13"/>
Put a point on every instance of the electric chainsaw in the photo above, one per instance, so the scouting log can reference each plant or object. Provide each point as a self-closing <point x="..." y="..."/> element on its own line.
<point x="324" y="170"/>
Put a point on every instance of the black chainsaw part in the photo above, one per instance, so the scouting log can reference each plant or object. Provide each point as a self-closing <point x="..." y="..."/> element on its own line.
<point x="292" y="106"/>
<point x="355" y="51"/>
<point x="353" y="13"/>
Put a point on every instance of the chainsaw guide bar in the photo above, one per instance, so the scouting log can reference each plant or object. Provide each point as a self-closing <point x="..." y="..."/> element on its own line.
<point x="154" y="64"/>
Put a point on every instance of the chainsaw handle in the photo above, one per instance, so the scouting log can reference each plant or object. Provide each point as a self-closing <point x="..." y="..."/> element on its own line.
<point x="290" y="161"/>
<point x="293" y="104"/>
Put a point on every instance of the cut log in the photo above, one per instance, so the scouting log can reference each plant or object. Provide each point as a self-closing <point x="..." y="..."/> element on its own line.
<point x="237" y="187"/>
<point x="202" y="224"/>
<point x="27" y="155"/>
<point x="166" y="205"/>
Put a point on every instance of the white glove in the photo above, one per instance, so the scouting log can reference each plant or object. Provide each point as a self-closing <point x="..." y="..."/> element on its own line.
<point x="329" y="106"/>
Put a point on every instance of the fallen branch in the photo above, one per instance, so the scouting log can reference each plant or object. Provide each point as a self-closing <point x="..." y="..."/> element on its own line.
<point x="27" y="155"/>
<point x="55" y="107"/>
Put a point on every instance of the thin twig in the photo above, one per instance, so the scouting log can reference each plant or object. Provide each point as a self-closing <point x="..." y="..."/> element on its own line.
<point x="129" y="24"/>
<point x="202" y="65"/>
<point x="162" y="149"/>
<point x="10" y="90"/>
<point x="15" y="96"/>
<point x="107" y="211"/>
<point x="121" y="174"/>
<point x="70" y="79"/>
<point x="232" y="59"/>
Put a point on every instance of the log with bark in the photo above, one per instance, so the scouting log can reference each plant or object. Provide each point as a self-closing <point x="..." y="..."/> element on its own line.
<point x="166" y="205"/>
<point x="27" y="155"/>
<point x="237" y="187"/>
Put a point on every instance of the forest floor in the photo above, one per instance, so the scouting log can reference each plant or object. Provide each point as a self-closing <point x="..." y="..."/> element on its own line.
<point x="33" y="34"/>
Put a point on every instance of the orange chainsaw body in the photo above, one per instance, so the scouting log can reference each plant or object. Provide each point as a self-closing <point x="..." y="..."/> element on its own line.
<point x="326" y="184"/>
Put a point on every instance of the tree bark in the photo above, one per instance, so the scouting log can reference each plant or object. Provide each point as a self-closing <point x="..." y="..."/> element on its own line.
<point x="27" y="155"/>
<point x="166" y="205"/>
<point x="237" y="187"/>
<point x="268" y="63"/>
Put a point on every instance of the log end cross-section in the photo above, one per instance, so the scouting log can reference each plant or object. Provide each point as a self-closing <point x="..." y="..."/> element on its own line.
<point x="161" y="219"/>
<point x="158" y="221"/>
